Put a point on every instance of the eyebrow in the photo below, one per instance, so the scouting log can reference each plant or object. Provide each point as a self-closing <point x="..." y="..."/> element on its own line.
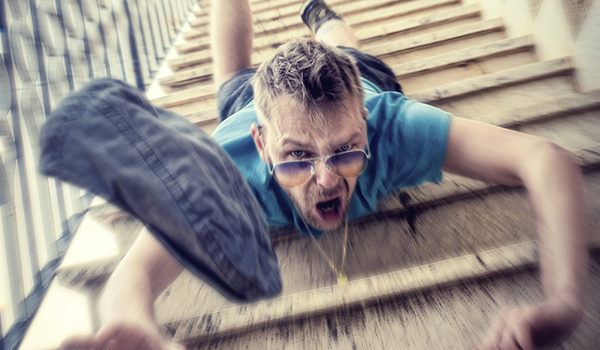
<point x="295" y="143"/>
<point x="352" y="138"/>
<point x="302" y="145"/>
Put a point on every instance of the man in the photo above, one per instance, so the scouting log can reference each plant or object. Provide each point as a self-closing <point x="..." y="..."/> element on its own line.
<point x="306" y="131"/>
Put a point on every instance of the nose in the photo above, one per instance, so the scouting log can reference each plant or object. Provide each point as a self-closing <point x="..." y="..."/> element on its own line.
<point x="324" y="177"/>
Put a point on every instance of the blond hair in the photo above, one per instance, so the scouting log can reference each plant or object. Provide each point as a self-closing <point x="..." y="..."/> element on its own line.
<point x="312" y="74"/>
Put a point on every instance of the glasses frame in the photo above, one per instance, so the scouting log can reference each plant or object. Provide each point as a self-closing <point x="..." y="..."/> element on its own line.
<point x="313" y="160"/>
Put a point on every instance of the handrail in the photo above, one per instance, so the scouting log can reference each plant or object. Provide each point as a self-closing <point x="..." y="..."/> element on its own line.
<point x="48" y="48"/>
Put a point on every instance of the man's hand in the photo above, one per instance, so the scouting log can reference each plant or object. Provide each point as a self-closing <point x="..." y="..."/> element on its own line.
<point x="120" y="336"/>
<point x="533" y="327"/>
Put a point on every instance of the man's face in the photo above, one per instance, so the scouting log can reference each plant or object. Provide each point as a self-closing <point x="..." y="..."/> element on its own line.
<point x="324" y="201"/>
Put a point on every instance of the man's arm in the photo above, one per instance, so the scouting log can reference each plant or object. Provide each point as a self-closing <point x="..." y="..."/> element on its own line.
<point x="552" y="177"/>
<point x="127" y="305"/>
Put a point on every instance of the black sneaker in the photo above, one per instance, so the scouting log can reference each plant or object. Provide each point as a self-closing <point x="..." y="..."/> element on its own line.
<point x="316" y="12"/>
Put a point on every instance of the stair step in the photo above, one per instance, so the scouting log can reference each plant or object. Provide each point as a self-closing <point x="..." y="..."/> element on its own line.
<point x="452" y="317"/>
<point x="426" y="40"/>
<point x="189" y="76"/>
<point x="185" y="96"/>
<point x="491" y="81"/>
<point x="348" y="11"/>
<point x="263" y="13"/>
<point x="85" y="275"/>
<point x="269" y="8"/>
<point x="438" y="37"/>
<point x="371" y="32"/>
<point x="199" y="11"/>
<point x="192" y="45"/>
<point x="399" y="9"/>
<point x="445" y="16"/>
<point x="553" y="108"/>
<point x="186" y="60"/>
<point x="204" y="57"/>
<point x="267" y="5"/>
<point x="289" y="24"/>
<point x="457" y="58"/>
<point x="324" y="300"/>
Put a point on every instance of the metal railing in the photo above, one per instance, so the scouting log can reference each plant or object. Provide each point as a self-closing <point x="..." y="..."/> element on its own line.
<point x="48" y="48"/>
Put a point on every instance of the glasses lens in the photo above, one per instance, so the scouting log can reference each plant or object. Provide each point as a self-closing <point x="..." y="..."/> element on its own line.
<point x="292" y="174"/>
<point x="349" y="164"/>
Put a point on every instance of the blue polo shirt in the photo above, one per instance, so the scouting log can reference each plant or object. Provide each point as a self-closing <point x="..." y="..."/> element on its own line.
<point x="407" y="141"/>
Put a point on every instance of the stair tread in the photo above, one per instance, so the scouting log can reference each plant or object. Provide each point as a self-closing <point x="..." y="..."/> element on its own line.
<point x="451" y="90"/>
<point x="444" y="16"/>
<point x="396" y="10"/>
<point x="381" y="287"/>
<point x="371" y="288"/>
<point x="494" y="80"/>
<point x="437" y="37"/>
<point x="430" y="39"/>
<point x="368" y="33"/>
<point x="455" y="58"/>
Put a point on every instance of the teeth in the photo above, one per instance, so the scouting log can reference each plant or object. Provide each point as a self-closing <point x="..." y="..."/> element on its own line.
<point x="328" y="207"/>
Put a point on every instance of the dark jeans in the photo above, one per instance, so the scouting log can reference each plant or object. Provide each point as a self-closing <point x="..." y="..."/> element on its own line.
<point x="237" y="92"/>
<point x="108" y="139"/>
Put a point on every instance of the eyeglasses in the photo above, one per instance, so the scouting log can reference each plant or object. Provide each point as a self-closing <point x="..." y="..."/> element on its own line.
<point x="294" y="173"/>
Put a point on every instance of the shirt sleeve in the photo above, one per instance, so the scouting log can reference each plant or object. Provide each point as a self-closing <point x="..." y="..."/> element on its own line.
<point x="408" y="142"/>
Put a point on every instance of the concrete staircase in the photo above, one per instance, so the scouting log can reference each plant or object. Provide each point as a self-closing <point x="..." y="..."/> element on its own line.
<point x="432" y="267"/>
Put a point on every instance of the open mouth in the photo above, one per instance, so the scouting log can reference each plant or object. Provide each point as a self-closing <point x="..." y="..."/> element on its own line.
<point x="329" y="210"/>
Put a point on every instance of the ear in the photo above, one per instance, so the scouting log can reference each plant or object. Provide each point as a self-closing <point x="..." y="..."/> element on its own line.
<point x="365" y="113"/>
<point x="258" y="142"/>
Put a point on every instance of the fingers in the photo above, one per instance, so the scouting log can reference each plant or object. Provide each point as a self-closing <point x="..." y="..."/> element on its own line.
<point x="127" y="336"/>
<point x="494" y="334"/>
<point x="78" y="342"/>
<point x="508" y="331"/>
<point x="120" y="336"/>
<point x="509" y="340"/>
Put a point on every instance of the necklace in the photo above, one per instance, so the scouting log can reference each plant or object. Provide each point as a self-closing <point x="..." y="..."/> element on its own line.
<point x="341" y="276"/>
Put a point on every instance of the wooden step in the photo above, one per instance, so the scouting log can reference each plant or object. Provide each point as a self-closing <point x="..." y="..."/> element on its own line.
<point x="491" y="81"/>
<point x="359" y="15"/>
<point x="199" y="11"/>
<point x="323" y="300"/>
<point x="82" y="277"/>
<point x="274" y="4"/>
<point x="293" y="10"/>
<point x="290" y="23"/>
<point x="193" y="45"/>
<point x="437" y="18"/>
<point x="257" y="8"/>
<point x="185" y="96"/>
<point x="427" y="40"/>
<point x="457" y="58"/>
<point x="366" y="34"/>
<point x="367" y="14"/>
<point x="189" y="76"/>
<point x="449" y="317"/>
<point x="438" y="37"/>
